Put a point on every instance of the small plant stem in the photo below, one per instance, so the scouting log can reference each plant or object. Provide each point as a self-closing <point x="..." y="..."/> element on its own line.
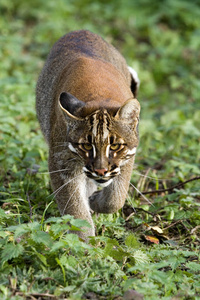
<point x="179" y="185"/>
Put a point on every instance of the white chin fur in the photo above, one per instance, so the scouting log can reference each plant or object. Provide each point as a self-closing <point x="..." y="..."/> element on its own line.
<point x="103" y="184"/>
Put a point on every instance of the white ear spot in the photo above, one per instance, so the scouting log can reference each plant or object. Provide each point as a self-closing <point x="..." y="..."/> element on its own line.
<point x="135" y="76"/>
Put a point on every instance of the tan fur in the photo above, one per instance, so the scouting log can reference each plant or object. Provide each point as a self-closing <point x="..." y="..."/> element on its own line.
<point x="85" y="97"/>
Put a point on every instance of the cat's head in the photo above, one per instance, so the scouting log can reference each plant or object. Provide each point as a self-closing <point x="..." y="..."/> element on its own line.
<point x="105" y="139"/>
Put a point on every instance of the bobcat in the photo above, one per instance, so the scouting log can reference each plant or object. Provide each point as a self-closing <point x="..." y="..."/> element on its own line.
<point x="86" y="106"/>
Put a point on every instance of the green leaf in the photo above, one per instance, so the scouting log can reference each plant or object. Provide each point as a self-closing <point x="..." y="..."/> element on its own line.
<point x="141" y="257"/>
<point x="113" y="249"/>
<point x="21" y="229"/>
<point x="34" y="226"/>
<point x="11" y="251"/>
<point x="67" y="218"/>
<point x="131" y="241"/>
<point x="41" y="237"/>
<point x="69" y="264"/>
<point x="2" y="234"/>
<point x="193" y="266"/>
<point x="79" y="223"/>
<point x="54" y="220"/>
<point x="62" y="268"/>
<point x="58" y="245"/>
<point x="175" y="261"/>
<point x="59" y="228"/>
<point x="3" y="215"/>
<point x="41" y="257"/>
<point x="71" y="238"/>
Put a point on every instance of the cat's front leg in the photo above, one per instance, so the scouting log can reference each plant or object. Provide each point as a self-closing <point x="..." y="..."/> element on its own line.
<point x="111" y="198"/>
<point x="71" y="196"/>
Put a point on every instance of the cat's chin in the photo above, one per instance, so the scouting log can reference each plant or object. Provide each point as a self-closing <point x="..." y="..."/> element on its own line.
<point x="103" y="184"/>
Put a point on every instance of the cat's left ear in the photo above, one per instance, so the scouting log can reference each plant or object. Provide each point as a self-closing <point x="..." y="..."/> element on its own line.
<point x="71" y="105"/>
<point x="129" y="111"/>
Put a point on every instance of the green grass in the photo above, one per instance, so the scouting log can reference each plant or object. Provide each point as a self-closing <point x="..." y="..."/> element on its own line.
<point x="153" y="249"/>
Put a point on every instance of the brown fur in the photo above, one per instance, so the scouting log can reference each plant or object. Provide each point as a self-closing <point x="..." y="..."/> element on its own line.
<point x="96" y="75"/>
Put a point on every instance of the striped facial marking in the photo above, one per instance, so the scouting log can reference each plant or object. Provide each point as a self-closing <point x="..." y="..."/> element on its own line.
<point x="102" y="149"/>
<point x="100" y="126"/>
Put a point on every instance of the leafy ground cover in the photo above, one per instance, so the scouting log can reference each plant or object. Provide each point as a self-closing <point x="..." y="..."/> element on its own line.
<point x="150" y="249"/>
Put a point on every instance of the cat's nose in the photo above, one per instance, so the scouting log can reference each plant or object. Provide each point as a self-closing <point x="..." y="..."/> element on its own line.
<point x="101" y="172"/>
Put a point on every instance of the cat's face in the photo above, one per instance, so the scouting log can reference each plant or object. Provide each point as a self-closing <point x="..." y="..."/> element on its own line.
<point x="104" y="142"/>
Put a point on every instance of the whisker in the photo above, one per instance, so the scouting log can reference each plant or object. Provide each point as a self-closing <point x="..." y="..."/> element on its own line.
<point x="57" y="171"/>
<point x="143" y="196"/>
<point x="74" y="158"/>
<point x="61" y="144"/>
<point x="69" y="201"/>
<point x="127" y="195"/>
<point x="153" y="178"/>
<point x="118" y="191"/>
<point x="139" y="192"/>
<point x="57" y="191"/>
<point x="131" y="204"/>
<point x="128" y="198"/>
<point x="62" y="186"/>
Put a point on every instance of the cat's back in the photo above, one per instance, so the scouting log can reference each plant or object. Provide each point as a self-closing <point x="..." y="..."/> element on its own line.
<point x="84" y="43"/>
<point x="76" y="45"/>
<point x="84" y="64"/>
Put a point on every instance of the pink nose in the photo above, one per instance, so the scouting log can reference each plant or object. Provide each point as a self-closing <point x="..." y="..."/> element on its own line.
<point x="100" y="172"/>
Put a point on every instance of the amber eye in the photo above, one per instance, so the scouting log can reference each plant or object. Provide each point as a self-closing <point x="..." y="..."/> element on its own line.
<point x="115" y="147"/>
<point x="87" y="147"/>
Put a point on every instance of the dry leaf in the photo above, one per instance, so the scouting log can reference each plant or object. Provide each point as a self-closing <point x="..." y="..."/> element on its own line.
<point x="152" y="239"/>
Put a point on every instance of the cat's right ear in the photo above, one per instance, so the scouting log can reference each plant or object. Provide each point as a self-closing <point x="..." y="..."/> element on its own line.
<point x="129" y="111"/>
<point x="71" y="105"/>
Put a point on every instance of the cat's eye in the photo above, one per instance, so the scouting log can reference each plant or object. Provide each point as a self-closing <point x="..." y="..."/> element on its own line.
<point x="115" y="147"/>
<point x="87" y="146"/>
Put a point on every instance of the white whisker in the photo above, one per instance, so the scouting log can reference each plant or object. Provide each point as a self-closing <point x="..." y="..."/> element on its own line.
<point x="139" y="192"/>
<point x="62" y="186"/>
<point x="55" y="193"/>
<point x="153" y="178"/>
<point x="127" y="195"/>
<point x="57" y="171"/>
<point x="118" y="192"/>
<point x="69" y="201"/>
<point x="61" y="144"/>
<point x="143" y="196"/>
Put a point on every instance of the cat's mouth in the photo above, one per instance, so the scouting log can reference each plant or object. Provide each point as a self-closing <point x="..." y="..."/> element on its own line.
<point x="103" y="180"/>
<point x="98" y="179"/>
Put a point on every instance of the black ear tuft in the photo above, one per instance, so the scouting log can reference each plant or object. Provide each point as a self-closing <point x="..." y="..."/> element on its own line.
<point x="70" y="104"/>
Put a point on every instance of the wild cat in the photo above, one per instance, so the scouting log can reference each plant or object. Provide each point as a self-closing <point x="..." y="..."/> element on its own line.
<point x="86" y="106"/>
